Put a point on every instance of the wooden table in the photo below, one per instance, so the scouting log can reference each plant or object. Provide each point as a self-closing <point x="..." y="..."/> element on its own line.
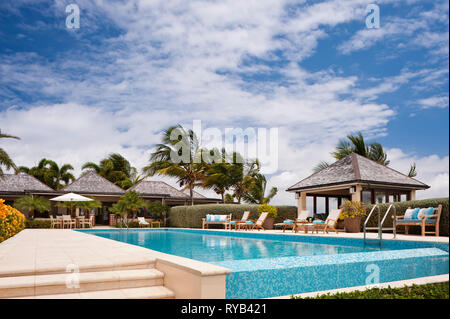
<point x="155" y="222"/>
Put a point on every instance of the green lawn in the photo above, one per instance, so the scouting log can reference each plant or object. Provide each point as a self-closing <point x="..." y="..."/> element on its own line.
<point x="429" y="291"/>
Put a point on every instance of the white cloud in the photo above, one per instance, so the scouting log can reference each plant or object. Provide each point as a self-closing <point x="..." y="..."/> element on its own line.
<point x="176" y="61"/>
<point x="434" y="101"/>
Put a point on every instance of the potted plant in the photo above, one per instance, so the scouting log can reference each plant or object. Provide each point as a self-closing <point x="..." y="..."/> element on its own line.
<point x="352" y="211"/>
<point x="272" y="210"/>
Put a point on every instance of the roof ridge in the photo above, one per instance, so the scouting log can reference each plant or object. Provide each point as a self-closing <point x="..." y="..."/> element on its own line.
<point x="385" y="166"/>
<point x="96" y="174"/>
<point x="331" y="165"/>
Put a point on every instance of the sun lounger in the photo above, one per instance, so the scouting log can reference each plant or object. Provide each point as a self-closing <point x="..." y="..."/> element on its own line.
<point x="258" y="224"/>
<point x="330" y="222"/>
<point x="238" y="222"/>
<point x="425" y="217"/>
<point x="216" y="220"/>
<point x="142" y="222"/>
<point x="289" y="223"/>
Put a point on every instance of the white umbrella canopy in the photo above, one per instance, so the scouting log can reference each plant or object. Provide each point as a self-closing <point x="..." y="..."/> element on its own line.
<point x="71" y="197"/>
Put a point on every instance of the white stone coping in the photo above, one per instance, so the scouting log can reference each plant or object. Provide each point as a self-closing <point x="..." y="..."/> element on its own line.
<point x="35" y="251"/>
<point x="392" y="284"/>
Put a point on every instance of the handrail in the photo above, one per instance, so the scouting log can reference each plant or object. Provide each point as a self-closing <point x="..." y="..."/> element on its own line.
<point x="367" y="220"/>
<point x="381" y="222"/>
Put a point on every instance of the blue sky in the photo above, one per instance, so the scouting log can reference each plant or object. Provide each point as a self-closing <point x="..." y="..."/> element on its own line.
<point x="310" y="68"/>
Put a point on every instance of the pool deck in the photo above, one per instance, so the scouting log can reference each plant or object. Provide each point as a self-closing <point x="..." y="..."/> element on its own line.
<point x="45" y="251"/>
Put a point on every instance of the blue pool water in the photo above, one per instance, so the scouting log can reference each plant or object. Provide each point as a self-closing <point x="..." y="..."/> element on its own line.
<point x="214" y="248"/>
<point x="268" y="265"/>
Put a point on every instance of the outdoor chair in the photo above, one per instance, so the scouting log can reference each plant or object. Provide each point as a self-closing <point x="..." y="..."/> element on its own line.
<point x="425" y="217"/>
<point x="142" y="222"/>
<point x="55" y="222"/>
<point x="87" y="222"/>
<point x="216" y="220"/>
<point x="67" y="220"/>
<point x="258" y="224"/>
<point x="289" y="223"/>
<point x="239" y="222"/>
<point x="330" y="222"/>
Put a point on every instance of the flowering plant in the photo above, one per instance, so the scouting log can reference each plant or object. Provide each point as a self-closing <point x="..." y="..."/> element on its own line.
<point x="352" y="209"/>
<point x="11" y="221"/>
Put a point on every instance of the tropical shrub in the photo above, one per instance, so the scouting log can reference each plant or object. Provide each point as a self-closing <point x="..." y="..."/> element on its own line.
<point x="401" y="208"/>
<point x="37" y="223"/>
<point x="428" y="291"/>
<point x="352" y="209"/>
<point x="272" y="210"/>
<point x="191" y="216"/>
<point x="11" y="221"/>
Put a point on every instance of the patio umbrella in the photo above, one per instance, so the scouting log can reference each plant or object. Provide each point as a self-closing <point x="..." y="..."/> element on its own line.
<point x="71" y="197"/>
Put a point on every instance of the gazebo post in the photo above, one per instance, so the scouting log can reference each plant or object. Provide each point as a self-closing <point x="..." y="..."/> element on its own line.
<point x="315" y="205"/>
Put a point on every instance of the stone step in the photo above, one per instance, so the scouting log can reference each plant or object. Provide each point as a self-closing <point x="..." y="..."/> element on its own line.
<point x="51" y="284"/>
<point x="155" y="292"/>
<point x="53" y="267"/>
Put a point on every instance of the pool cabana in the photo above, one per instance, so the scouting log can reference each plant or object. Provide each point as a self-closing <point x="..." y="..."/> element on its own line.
<point x="355" y="178"/>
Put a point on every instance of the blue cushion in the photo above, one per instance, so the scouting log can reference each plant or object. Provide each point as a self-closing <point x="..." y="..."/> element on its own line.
<point x="318" y="222"/>
<point x="249" y="222"/>
<point x="232" y="222"/>
<point x="415" y="214"/>
<point x="208" y="218"/>
<point x="429" y="211"/>
<point x="288" y="221"/>
<point x="411" y="220"/>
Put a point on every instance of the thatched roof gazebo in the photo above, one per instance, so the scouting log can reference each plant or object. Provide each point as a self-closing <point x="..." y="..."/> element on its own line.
<point x="356" y="178"/>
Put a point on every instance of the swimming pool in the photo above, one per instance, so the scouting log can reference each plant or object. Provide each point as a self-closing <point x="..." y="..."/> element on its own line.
<point x="268" y="265"/>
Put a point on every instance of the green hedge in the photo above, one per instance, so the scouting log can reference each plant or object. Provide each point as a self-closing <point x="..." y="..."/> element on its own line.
<point x="428" y="291"/>
<point x="37" y="223"/>
<point x="401" y="208"/>
<point x="191" y="216"/>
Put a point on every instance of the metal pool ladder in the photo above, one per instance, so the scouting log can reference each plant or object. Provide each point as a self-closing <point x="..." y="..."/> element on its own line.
<point x="380" y="223"/>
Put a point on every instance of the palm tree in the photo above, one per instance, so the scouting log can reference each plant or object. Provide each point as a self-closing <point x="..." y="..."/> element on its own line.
<point x="120" y="209"/>
<point x="356" y="144"/>
<point x="412" y="170"/>
<point x="257" y="190"/>
<point x="5" y="160"/>
<point x="179" y="156"/>
<point x="50" y="173"/>
<point x="219" y="175"/>
<point x="115" y="168"/>
<point x="243" y="174"/>
<point x="59" y="174"/>
<point x="85" y="206"/>
<point x="30" y="204"/>
<point x="133" y="202"/>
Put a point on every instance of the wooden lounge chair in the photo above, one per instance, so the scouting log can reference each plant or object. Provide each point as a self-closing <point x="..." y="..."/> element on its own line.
<point x="216" y="220"/>
<point x="258" y="224"/>
<point x="289" y="223"/>
<point x="142" y="222"/>
<point x="330" y="222"/>
<point x="429" y="220"/>
<point x="239" y="222"/>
